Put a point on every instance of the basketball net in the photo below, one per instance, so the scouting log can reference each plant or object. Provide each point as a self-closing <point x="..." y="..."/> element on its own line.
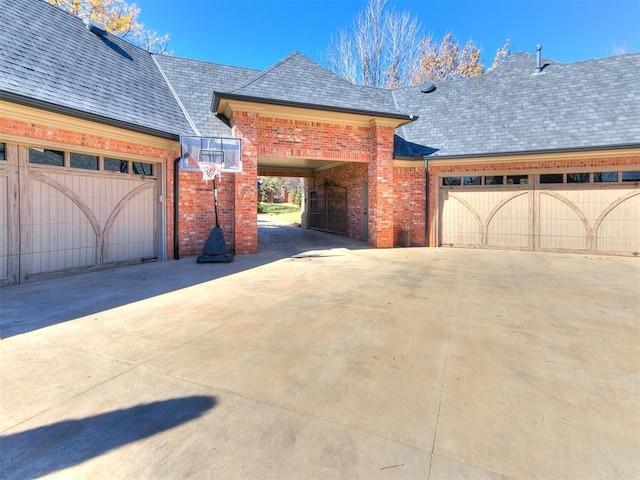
<point x="210" y="170"/>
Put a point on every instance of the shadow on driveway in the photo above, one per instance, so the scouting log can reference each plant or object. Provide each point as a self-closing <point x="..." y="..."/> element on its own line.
<point x="31" y="306"/>
<point x="44" y="450"/>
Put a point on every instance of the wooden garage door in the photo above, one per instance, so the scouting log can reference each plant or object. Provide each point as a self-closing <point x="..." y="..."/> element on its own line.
<point x="586" y="212"/>
<point x="69" y="220"/>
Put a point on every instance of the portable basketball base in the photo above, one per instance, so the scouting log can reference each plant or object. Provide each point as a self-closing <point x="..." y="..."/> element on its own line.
<point x="215" y="249"/>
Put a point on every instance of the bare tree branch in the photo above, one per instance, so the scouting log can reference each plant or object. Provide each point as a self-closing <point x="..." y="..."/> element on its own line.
<point x="378" y="48"/>
<point x="119" y="18"/>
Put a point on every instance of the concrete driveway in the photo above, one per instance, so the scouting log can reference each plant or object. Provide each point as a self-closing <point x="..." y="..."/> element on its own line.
<point x="341" y="362"/>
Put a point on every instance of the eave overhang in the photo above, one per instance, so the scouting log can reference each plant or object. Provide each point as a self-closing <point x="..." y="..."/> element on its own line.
<point x="225" y="103"/>
<point x="537" y="155"/>
<point x="72" y="112"/>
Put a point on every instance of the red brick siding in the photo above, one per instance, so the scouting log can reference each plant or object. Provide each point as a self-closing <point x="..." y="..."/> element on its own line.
<point x="409" y="202"/>
<point x="71" y="138"/>
<point x="316" y="140"/>
<point x="381" y="196"/>
<point x="245" y="126"/>
<point x="280" y="172"/>
<point x="197" y="212"/>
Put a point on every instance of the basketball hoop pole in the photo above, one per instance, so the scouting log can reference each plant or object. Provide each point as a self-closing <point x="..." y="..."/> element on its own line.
<point x="215" y="248"/>
<point x="215" y="199"/>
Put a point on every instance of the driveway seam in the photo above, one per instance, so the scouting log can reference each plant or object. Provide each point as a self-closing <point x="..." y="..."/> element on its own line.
<point x="444" y="376"/>
<point x="66" y="400"/>
<point x="289" y="409"/>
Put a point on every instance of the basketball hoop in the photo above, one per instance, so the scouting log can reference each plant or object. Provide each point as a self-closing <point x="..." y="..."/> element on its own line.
<point x="210" y="170"/>
<point x="211" y="163"/>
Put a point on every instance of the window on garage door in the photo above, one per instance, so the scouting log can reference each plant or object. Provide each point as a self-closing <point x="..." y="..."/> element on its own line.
<point x="42" y="156"/>
<point x="477" y="180"/>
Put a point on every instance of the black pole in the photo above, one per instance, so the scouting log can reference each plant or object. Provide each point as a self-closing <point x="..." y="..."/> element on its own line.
<point x="426" y="206"/>
<point x="215" y="199"/>
<point x="176" y="190"/>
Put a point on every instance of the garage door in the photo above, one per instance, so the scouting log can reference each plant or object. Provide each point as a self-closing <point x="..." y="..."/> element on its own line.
<point x="585" y="212"/>
<point x="75" y="213"/>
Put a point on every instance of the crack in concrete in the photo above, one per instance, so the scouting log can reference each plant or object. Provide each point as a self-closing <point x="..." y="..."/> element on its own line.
<point x="444" y="376"/>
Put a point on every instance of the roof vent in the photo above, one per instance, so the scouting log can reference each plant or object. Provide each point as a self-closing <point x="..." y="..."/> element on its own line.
<point x="428" y="87"/>
<point x="94" y="28"/>
<point x="539" y="65"/>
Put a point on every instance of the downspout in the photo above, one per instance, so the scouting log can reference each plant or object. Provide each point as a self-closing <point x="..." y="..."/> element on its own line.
<point x="426" y="206"/>
<point x="176" y="169"/>
<point x="176" y="190"/>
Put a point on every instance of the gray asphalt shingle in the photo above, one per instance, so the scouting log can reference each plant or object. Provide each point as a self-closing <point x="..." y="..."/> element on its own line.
<point x="580" y="105"/>
<point x="297" y="79"/>
<point x="195" y="81"/>
<point x="48" y="55"/>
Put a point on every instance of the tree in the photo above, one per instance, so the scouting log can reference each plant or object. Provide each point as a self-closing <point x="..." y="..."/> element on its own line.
<point x="119" y="18"/>
<point x="379" y="48"/>
<point x="384" y="48"/>
<point x="502" y="54"/>
<point x="446" y="61"/>
<point x="271" y="187"/>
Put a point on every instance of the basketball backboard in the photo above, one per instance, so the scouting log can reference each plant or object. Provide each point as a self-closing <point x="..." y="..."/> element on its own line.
<point x="227" y="151"/>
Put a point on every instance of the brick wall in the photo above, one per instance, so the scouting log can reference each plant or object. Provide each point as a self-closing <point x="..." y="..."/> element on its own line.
<point x="381" y="188"/>
<point x="245" y="126"/>
<point x="72" y="138"/>
<point x="409" y="204"/>
<point x="315" y="140"/>
<point x="196" y="215"/>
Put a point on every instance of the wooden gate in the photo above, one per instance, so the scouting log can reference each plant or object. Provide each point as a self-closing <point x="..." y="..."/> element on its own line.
<point x="328" y="209"/>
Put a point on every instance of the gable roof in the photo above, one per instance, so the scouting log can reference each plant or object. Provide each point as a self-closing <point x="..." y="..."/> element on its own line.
<point x="52" y="61"/>
<point x="571" y="106"/>
<point x="297" y="80"/>
<point x="195" y="81"/>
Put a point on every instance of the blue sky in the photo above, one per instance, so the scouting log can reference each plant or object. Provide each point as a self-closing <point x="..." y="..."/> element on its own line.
<point x="258" y="33"/>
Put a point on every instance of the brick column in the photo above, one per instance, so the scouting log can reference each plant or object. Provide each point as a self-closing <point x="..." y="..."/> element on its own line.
<point x="381" y="186"/>
<point x="245" y="126"/>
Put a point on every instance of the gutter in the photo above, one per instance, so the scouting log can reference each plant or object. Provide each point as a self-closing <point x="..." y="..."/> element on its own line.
<point x="176" y="216"/>
<point x="72" y="112"/>
<point x="536" y="152"/>
<point x="426" y="206"/>
<point x="217" y="96"/>
<point x="176" y="166"/>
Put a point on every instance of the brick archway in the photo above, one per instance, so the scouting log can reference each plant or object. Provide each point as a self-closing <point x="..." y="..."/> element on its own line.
<point x="319" y="150"/>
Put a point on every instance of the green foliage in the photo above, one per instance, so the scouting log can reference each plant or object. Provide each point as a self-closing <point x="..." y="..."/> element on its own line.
<point x="271" y="189"/>
<point x="282" y="212"/>
<point x="277" y="208"/>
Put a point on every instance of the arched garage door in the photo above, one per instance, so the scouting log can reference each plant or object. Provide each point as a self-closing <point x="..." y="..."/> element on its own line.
<point x="584" y="212"/>
<point x="69" y="213"/>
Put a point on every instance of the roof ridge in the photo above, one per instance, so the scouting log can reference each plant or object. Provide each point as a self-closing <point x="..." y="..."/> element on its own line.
<point x="176" y="96"/>
<point x="270" y="69"/>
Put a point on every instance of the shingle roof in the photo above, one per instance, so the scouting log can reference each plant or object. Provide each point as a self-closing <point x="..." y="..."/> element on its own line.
<point x="49" y="58"/>
<point x="298" y="80"/>
<point x="195" y="81"/>
<point x="581" y="105"/>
